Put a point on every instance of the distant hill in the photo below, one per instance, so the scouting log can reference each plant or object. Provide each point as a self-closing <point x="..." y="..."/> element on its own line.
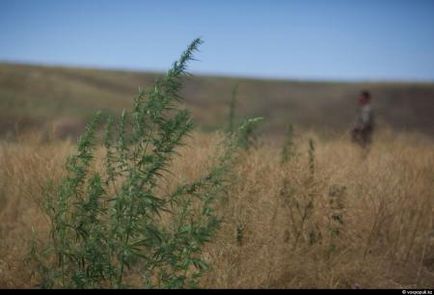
<point x="33" y="95"/>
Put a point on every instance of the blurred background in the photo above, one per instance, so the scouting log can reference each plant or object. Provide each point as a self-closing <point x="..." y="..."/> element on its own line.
<point x="298" y="62"/>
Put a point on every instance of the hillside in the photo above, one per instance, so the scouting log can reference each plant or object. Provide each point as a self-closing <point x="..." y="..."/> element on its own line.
<point x="34" y="95"/>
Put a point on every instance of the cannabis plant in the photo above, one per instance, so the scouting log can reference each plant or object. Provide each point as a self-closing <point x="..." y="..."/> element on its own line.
<point x="246" y="136"/>
<point x="288" y="145"/>
<point x="113" y="225"/>
<point x="232" y="106"/>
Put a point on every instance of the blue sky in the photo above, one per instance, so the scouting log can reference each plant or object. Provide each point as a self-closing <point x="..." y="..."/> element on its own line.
<point x="292" y="39"/>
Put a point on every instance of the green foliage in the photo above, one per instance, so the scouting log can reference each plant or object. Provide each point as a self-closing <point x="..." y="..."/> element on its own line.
<point x="288" y="145"/>
<point x="232" y="107"/>
<point x="301" y="205"/>
<point x="246" y="132"/>
<point x="244" y="135"/>
<point x="240" y="233"/>
<point x="336" y="219"/>
<point x="311" y="157"/>
<point x="109" y="223"/>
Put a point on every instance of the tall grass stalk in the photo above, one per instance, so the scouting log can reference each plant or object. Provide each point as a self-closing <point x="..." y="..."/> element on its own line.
<point x="232" y="107"/>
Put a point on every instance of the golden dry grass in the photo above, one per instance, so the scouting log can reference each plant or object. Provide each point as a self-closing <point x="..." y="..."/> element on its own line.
<point x="386" y="198"/>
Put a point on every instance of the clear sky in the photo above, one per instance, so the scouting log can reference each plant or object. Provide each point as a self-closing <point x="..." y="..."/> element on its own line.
<point x="294" y="39"/>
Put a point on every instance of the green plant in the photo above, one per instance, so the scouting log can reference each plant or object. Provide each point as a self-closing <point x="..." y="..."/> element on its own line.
<point x="336" y="219"/>
<point x="246" y="132"/>
<point x="232" y="106"/>
<point x="311" y="158"/>
<point x="300" y="209"/>
<point x="240" y="233"/>
<point x="301" y="205"/>
<point x="288" y="145"/>
<point x="110" y="223"/>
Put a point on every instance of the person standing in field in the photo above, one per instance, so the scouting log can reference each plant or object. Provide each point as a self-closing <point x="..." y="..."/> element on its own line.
<point x="364" y="124"/>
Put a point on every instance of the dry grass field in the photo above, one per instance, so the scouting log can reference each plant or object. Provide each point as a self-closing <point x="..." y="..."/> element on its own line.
<point x="331" y="216"/>
<point x="348" y="221"/>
